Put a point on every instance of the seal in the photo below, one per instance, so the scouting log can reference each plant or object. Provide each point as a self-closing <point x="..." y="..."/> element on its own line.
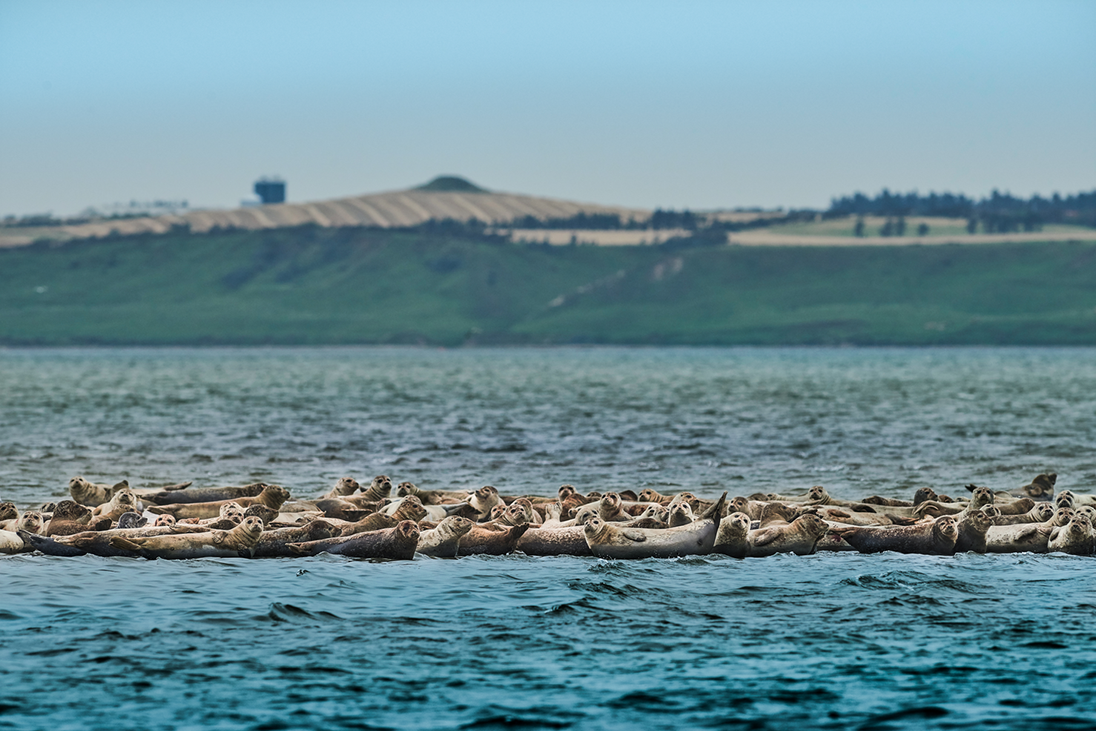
<point x="216" y="543"/>
<point x="10" y="542"/>
<point x="1076" y="537"/>
<point x="7" y="512"/>
<point x="696" y="539"/>
<point x="798" y="537"/>
<point x="93" y="495"/>
<point x="273" y="496"/>
<point x="1041" y="513"/>
<point x="972" y="531"/>
<point x="680" y="514"/>
<point x="555" y="541"/>
<point x="732" y="537"/>
<point x="169" y="496"/>
<point x="410" y="509"/>
<point x="122" y="501"/>
<point x="1040" y="489"/>
<point x="935" y="538"/>
<point x="69" y="517"/>
<point x="343" y="487"/>
<point x="275" y="543"/>
<point x="379" y="489"/>
<point x="443" y="541"/>
<point x="396" y="543"/>
<point x="1019" y="537"/>
<point x="128" y="520"/>
<point x="482" y="541"/>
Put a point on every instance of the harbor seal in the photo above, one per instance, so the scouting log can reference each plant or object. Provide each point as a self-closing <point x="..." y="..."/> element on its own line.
<point x="169" y="496"/>
<point x="272" y="496"/>
<point x="122" y="501"/>
<point x="10" y="542"/>
<point x="555" y="541"/>
<point x="732" y="537"/>
<point x="69" y="517"/>
<point x="1019" y="537"/>
<point x="443" y="541"/>
<point x="275" y="543"/>
<point x="1040" y="513"/>
<point x="482" y="541"/>
<point x="972" y="531"/>
<point x="397" y="543"/>
<point x="216" y="543"/>
<point x="1076" y="537"/>
<point x="91" y="494"/>
<point x="343" y="487"/>
<point x="409" y="509"/>
<point x="934" y="538"/>
<point x="696" y="539"/>
<point x="798" y="537"/>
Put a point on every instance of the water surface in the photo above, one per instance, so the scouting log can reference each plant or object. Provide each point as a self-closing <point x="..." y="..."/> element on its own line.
<point x="830" y="641"/>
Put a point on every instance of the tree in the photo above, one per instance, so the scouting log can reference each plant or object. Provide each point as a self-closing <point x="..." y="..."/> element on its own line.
<point x="888" y="228"/>
<point x="859" y="229"/>
<point x="972" y="225"/>
<point x="922" y="229"/>
<point x="900" y="226"/>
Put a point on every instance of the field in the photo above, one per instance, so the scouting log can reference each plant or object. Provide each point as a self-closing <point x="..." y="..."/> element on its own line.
<point x="311" y="285"/>
<point x="842" y="231"/>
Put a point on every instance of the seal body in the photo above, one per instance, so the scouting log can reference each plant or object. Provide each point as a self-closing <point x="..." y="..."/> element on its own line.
<point x="798" y="537"/>
<point x="396" y="543"/>
<point x="444" y="540"/>
<point x="481" y="541"/>
<point x="936" y="538"/>
<point x="695" y="539"/>
<point x="202" y="494"/>
<point x="731" y="540"/>
<point x="570" y="541"/>
<point x="216" y="543"/>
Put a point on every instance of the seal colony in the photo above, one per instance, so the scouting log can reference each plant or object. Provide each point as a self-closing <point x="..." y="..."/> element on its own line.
<point x="377" y="522"/>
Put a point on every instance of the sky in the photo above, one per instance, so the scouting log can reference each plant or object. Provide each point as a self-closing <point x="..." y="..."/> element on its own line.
<point x="674" y="104"/>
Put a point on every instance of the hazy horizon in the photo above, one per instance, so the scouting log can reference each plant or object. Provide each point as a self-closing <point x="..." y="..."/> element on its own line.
<point x="701" y="105"/>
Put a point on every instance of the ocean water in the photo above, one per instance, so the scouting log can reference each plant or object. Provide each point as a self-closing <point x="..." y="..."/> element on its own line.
<point x="829" y="641"/>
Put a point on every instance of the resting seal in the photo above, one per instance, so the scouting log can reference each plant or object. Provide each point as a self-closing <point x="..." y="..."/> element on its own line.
<point x="696" y="539"/>
<point x="10" y="542"/>
<point x="444" y="540"/>
<point x="235" y="542"/>
<point x="934" y="538"/>
<point x="555" y="541"/>
<point x="731" y="539"/>
<point x="396" y="543"/>
<point x="409" y="509"/>
<point x="175" y="496"/>
<point x="1076" y="537"/>
<point x="972" y="531"/>
<point x="68" y="517"/>
<point x="272" y="496"/>
<point x="91" y="494"/>
<point x="275" y="543"/>
<point x="481" y="541"/>
<point x="798" y="537"/>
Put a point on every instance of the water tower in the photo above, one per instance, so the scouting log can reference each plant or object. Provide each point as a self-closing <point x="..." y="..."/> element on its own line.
<point x="270" y="190"/>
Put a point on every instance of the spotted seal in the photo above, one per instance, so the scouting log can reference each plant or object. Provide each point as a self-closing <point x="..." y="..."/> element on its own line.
<point x="732" y="537"/>
<point x="798" y="537"/>
<point x="202" y="494"/>
<point x="275" y="543"/>
<point x="91" y="494"/>
<point x="215" y="543"/>
<point x="443" y="541"/>
<point x="934" y="538"/>
<point x="69" y="517"/>
<point x="698" y="538"/>
<point x="273" y="496"/>
<point x="555" y="541"/>
<point x="397" y="543"/>
<point x="481" y="541"/>
<point x="1076" y="537"/>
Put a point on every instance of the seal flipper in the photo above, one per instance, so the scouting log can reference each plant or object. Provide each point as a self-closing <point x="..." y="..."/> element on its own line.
<point x="767" y="536"/>
<point x="124" y="543"/>
<point x="49" y="546"/>
<point x="633" y="535"/>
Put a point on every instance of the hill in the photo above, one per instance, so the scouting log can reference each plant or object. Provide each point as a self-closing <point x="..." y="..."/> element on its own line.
<point x="311" y="285"/>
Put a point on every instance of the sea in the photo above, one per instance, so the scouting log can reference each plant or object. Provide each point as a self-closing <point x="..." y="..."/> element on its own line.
<point x="833" y="641"/>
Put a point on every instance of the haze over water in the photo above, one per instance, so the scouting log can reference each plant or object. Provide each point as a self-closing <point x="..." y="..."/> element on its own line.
<point x="835" y="641"/>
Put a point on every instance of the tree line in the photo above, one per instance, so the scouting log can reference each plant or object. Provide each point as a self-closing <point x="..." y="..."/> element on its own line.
<point x="996" y="213"/>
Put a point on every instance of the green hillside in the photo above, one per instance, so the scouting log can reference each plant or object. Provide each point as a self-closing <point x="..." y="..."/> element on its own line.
<point x="312" y="285"/>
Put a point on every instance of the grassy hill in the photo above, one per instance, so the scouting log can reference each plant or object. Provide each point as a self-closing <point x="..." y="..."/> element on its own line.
<point x="311" y="285"/>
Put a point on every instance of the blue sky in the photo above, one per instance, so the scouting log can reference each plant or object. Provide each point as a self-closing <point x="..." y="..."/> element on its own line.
<point x="684" y="104"/>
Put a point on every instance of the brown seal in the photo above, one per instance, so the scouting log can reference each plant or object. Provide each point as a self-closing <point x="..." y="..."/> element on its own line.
<point x="69" y="518"/>
<point x="91" y="494"/>
<point x="397" y="543"/>
<point x="275" y="543"/>
<point x="343" y="487"/>
<point x="202" y="494"/>
<point x="570" y="541"/>
<point x="482" y="541"/>
<point x="972" y="531"/>
<point x="443" y="541"/>
<point x="798" y="537"/>
<point x="216" y="543"/>
<point x="409" y="509"/>
<point x="732" y="537"/>
<point x="1076" y="537"/>
<point x="272" y="496"/>
<point x="934" y="538"/>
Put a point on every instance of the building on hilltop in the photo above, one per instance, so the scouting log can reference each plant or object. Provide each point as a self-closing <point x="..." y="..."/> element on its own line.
<point x="270" y="190"/>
